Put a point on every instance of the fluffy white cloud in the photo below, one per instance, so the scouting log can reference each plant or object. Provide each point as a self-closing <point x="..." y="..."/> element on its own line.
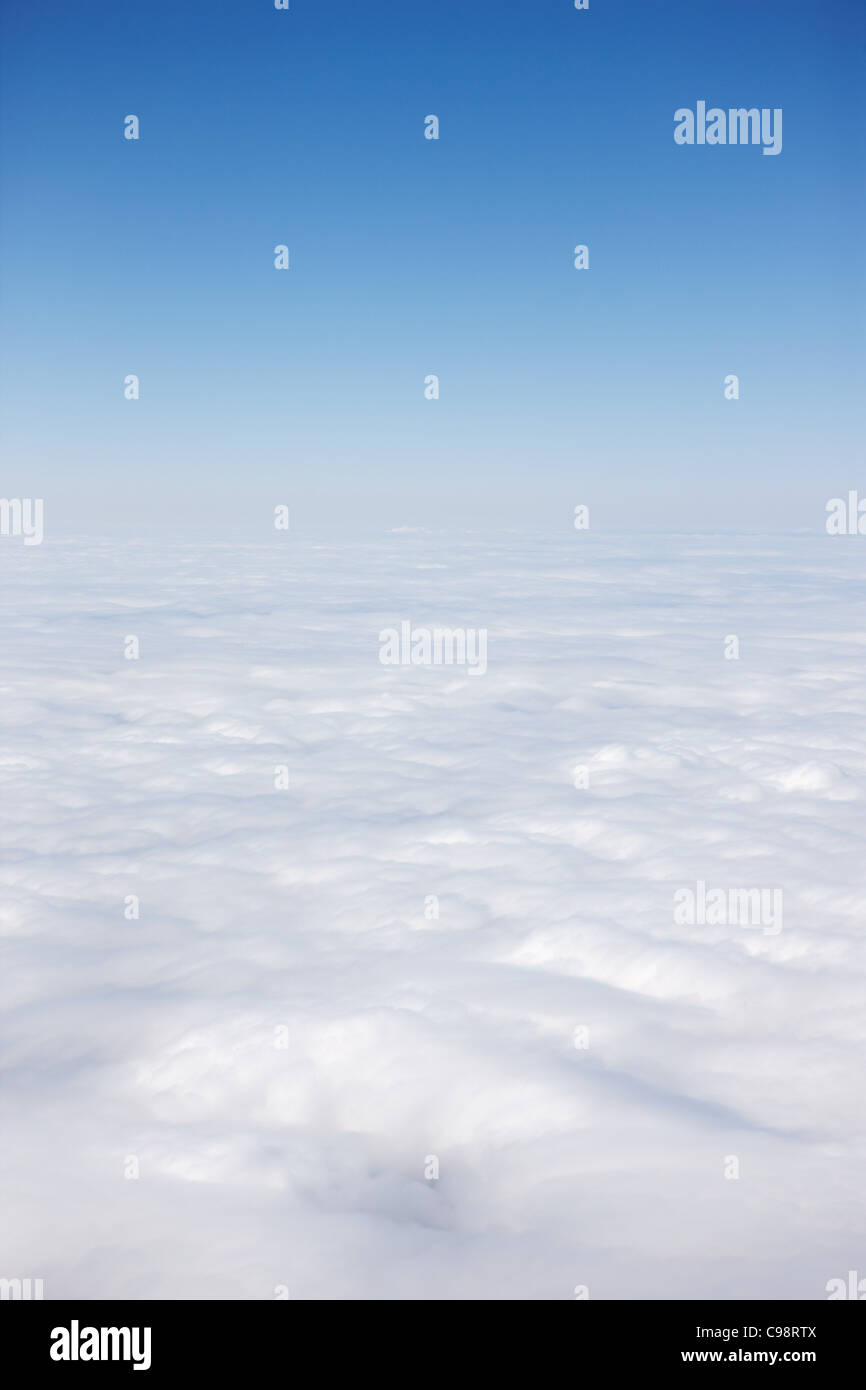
<point x="303" y="910"/>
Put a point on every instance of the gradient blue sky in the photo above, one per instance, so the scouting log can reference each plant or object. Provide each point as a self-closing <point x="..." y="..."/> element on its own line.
<point x="411" y="256"/>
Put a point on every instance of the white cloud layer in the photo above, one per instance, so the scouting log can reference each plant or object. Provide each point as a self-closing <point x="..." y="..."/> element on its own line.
<point x="303" y="909"/>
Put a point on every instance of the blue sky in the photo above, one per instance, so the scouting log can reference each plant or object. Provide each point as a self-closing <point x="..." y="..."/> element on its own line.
<point x="412" y="257"/>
